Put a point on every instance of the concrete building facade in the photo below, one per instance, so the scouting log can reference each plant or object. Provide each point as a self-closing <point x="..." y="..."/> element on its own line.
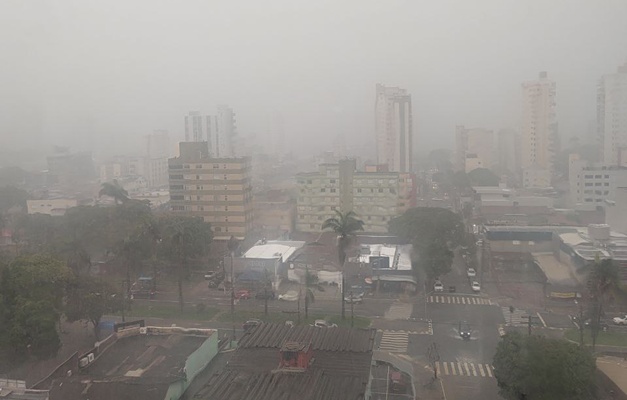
<point x="593" y="184"/>
<point x="474" y="148"/>
<point x="612" y="117"/>
<point x="217" y="189"/>
<point x="373" y="196"/>
<point x="538" y="139"/>
<point x="393" y="128"/>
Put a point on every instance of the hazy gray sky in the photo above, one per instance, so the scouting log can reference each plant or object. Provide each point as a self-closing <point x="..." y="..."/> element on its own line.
<point x="100" y="73"/>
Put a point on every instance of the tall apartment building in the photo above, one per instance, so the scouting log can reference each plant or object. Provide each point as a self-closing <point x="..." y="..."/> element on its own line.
<point x="474" y="148"/>
<point x="393" y="128"/>
<point x="538" y="135"/>
<point x="612" y="117"/>
<point x="218" y="131"/>
<point x="373" y="196"/>
<point x="158" y="144"/>
<point x="217" y="189"/>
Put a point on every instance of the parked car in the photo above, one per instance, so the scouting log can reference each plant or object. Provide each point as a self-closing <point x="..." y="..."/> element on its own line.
<point x="622" y="320"/>
<point x="243" y="294"/>
<point x="438" y="286"/>
<point x="452" y="289"/>
<point x="475" y="286"/>
<point x="290" y="295"/>
<point x="355" y="298"/>
<point x="320" y="323"/>
<point x="471" y="273"/>
<point x="251" y="323"/>
<point x="265" y="294"/>
<point x="209" y="275"/>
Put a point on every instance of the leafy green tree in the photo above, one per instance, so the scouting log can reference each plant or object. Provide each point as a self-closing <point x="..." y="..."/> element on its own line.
<point x="345" y="225"/>
<point x="536" y="367"/>
<point x="11" y="196"/>
<point x="603" y="277"/>
<point x="89" y="298"/>
<point x="184" y="238"/>
<point x="115" y="191"/>
<point x="434" y="259"/>
<point x="483" y="177"/>
<point x="32" y="290"/>
<point x="425" y="225"/>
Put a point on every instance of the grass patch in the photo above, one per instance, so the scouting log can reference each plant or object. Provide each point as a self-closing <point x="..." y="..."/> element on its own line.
<point x="279" y="317"/>
<point x="604" y="339"/>
<point x="171" y="312"/>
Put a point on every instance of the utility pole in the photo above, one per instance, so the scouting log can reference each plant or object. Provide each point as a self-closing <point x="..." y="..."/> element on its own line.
<point x="232" y="299"/>
<point x="343" y="291"/>
<point x="352" y="310"/>
<point x="529" y="324"/>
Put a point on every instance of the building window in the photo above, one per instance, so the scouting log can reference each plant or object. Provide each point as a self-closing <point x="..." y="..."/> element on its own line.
<point x="216" y="166"/>
<point x="197" y="198"/>
<point x="359" y="190"/>
<point x="332" y="190"/>
<point x="332" y="181"/>
<point x="380" y="190"/>
<point x="197" y="177"/>
<point x="322" y="190"/>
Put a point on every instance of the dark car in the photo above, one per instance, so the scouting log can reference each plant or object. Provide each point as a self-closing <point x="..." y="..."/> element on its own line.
<point x="263" y="295"/>
<point x="251" y="323"/>
<point x="464" y="330"/>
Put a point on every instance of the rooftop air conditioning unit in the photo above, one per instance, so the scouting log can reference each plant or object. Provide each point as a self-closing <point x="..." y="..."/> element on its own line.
<point x="83" y="362"/>
<point x="143" y="330"/>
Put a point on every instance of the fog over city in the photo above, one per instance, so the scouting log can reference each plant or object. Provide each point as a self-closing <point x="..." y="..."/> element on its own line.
<point x="98" y="75"/>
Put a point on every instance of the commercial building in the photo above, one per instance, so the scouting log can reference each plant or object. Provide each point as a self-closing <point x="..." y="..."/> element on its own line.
<point x="393" y="128"/>
<point x="508" y="151"/>
<point x="217" y="189"/>
<point x="539" y="141"/>
<point x="616" y="210"/>
<point x="612" y="117"/>
<point x="275" y="213"/>
<point x="50" y="206"/>
<point x="373" y="196"/>
<point x="277" y="361"/>
<point x="474" y="148"/>
<point x="593" y="184"/>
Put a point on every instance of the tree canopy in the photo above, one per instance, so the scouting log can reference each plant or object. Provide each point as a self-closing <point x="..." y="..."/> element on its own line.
<point x="115" y="191"/>
<point x="536" y="367"/>
<point x="432" y="231"/>
<point x="483" y="177"/>
<point x="89" y="298"/>
<point x="32" y="293"/>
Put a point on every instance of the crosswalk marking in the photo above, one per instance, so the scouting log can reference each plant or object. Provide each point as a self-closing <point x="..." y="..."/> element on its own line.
<point x="465" y="369"/>
<point x="394" y="341"/>
<point x="517" y="318"/>
<point x="457" y="299"/>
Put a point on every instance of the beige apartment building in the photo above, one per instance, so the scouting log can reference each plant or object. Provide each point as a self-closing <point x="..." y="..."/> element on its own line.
<point x="217" y="189"/>
<point x="538" y="135"/>
<point x="612" y="117"/>
<point x="373" y="196"/>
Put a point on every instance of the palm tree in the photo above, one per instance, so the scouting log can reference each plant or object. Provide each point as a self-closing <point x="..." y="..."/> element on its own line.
<point x="114" y="190"/>
<point x="602" y="279"/>
<point x="345" y="225"/>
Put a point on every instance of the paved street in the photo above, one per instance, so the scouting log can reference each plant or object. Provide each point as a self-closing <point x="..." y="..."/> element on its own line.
<point x="464" y="366"/>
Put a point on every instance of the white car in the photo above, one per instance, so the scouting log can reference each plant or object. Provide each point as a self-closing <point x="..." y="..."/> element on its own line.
<point x="320" y="323"/>
<point x="471" y="272"/>
<point x="290" y="295"/>
<point x="475" y="286"/>
<point x="438" y="286"/>
<point x="622" y="320"/>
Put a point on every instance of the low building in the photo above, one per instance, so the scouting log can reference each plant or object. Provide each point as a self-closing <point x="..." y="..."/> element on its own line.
<point x="11" y="389"/>
<point x="389" y="264"/>
<point x="592" y="184"/>
<point x="50" y="206"/>
<point x="282" y="362"/>
<point x="138" y="363"/>
<point x="264" y="257"/>
<point x="616" y="210"/>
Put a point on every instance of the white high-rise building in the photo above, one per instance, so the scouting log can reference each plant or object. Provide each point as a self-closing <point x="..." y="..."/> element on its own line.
<point x="538" y="134"/>
<point x="222" y="143"/>
<point x="393" y="128"/>
<point x="474" y="148"/>
<point x="219" y="131"/>
<point x="612" y="117"/>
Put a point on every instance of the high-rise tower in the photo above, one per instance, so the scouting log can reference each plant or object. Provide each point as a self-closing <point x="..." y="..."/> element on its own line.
<point x="612" y="117"/>
<point x="393" y="128"/>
